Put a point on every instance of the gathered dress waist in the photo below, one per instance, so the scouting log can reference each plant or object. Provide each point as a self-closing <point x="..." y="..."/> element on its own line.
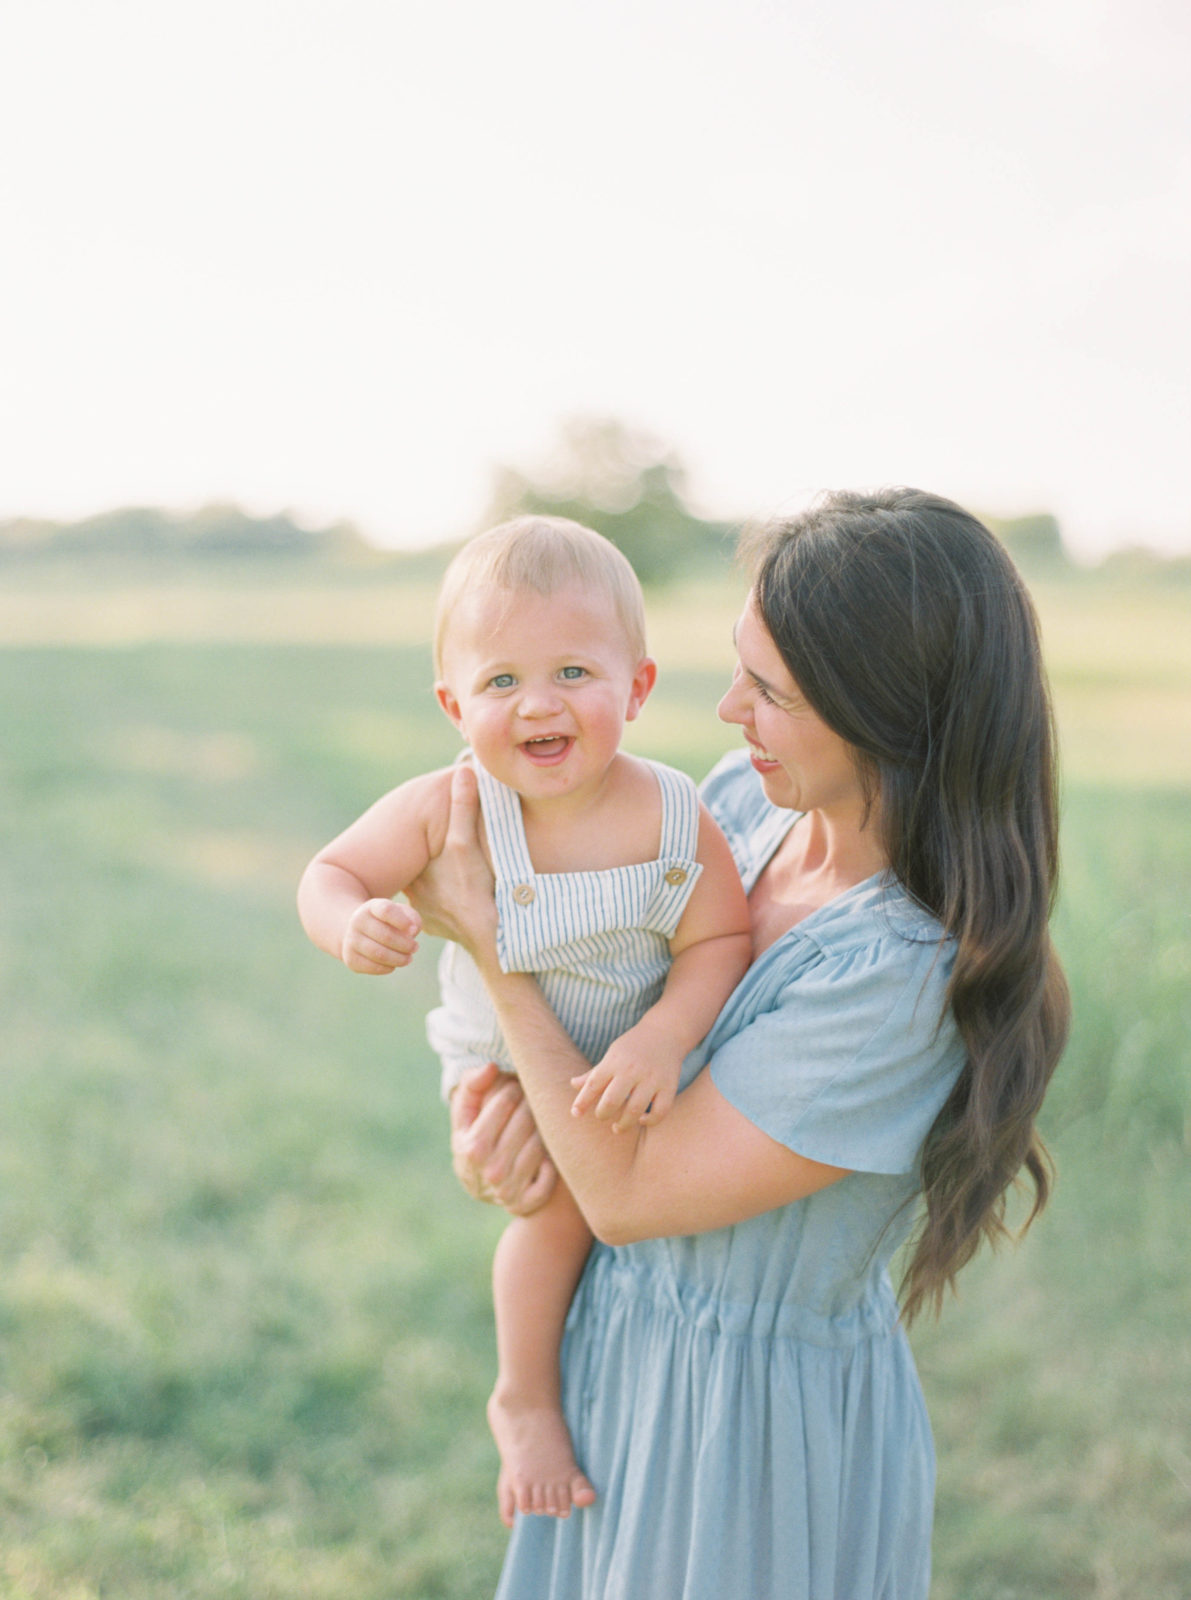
<point x="628" y="1276"/>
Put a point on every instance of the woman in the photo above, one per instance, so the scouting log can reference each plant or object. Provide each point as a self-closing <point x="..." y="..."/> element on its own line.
<point x="737" y="1379"/>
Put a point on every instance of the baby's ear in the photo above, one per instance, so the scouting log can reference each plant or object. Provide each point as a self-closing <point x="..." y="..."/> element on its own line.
<point x="442" y="693"/>
<point x="644" y="679"/>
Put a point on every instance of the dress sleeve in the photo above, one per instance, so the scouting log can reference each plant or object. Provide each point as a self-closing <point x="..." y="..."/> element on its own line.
<point x="852" y="1064"/>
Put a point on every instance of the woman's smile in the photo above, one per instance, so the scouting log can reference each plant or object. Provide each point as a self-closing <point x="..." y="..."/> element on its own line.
<point x="761" y="757"/>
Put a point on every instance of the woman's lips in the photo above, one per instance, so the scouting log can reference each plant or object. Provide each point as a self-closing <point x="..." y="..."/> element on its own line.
<point x="760" y="757"/>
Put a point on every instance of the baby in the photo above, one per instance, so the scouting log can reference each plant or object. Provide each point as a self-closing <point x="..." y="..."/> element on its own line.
<point x="613" y="885"/>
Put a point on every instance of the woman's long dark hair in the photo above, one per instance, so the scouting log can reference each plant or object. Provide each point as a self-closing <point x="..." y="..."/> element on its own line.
<point x="908" y="629"/>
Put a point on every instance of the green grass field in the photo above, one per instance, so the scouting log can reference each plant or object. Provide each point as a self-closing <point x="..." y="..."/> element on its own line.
<point x="246" y="1325"/>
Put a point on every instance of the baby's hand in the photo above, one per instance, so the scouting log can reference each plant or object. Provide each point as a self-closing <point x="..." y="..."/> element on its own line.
<point x="380" y="937"/>
<point x="635" y="1082"/>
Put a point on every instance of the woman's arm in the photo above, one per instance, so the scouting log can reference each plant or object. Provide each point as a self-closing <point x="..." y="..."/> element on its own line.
<point x="706" y="1166"/>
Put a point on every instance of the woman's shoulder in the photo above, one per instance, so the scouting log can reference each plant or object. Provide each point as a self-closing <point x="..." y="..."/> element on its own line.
<point x="879" y="916"/>
<point x="870" y="953"/>
<point x="866" y="951"/>
<point x="842" y="1045"/>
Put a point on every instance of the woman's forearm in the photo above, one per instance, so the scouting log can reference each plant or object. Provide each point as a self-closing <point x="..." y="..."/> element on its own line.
<point x="704" y="1166"/>
<point x="594" y="1162"/>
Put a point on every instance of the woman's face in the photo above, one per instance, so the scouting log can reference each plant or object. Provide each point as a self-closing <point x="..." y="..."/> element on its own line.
<point x="803" y="764"/>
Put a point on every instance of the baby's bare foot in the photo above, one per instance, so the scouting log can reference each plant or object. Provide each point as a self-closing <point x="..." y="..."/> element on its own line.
<point x="539" y="1474"/>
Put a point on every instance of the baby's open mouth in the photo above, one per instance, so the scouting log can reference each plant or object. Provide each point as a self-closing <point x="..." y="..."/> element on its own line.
<point x="547" y="748"/>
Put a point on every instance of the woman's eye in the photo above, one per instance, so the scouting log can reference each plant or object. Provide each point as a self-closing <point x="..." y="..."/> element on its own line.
<point x="573" y="672"/>
<point x="502" y="680"/>
<point x="764" y="694"/>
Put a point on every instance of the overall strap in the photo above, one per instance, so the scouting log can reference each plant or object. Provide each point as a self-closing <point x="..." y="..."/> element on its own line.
<point x="680" y="813"/>
<point x="501" y="807"/>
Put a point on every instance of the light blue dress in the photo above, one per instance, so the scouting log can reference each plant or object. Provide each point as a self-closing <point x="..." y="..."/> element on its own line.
<point x="599" y="941"/>
<point x="744" y="1400"/>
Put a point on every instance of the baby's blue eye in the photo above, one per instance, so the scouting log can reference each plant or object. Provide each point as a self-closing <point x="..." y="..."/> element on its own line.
<point x="573" y="672"/>
<point x="503" y="680"/>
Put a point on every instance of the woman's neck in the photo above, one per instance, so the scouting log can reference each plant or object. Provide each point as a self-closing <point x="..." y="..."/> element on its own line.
<point x="837" y="851"/>
<point x="820" y="858"/>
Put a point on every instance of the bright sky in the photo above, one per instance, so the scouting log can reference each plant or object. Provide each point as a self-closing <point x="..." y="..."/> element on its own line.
<point x="342" y="256"/>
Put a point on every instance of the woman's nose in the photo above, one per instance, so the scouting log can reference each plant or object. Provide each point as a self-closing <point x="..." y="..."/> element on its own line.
<point x="730" y="708"/>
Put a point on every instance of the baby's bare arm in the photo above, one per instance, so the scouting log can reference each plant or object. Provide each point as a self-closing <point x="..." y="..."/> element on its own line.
<point x="345" y="896"/>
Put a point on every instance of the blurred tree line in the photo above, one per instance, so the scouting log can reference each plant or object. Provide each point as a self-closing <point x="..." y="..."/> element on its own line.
<point x="620" y="480"/>
<point x="218" y="529"/>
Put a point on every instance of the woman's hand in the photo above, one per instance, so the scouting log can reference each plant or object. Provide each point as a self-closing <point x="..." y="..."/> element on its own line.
<point x="496" y="1150"/>
<point x="453" y="895"/>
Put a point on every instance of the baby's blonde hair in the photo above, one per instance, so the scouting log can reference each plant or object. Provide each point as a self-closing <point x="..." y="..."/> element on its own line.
<point x="544" y="554"/>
